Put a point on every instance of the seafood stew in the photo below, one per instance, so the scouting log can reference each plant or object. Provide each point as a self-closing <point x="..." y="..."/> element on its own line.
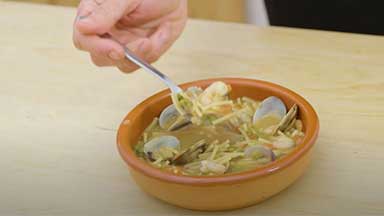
<point x="204" y="132"/>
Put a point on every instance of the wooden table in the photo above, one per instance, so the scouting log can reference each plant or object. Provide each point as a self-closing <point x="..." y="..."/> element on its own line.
<point x="59" y="114"/>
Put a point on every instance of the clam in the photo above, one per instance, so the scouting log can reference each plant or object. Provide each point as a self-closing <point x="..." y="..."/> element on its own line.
<point x="174" y="117"/>
<point x="272" y="115"/>
<point x="266" y="152"/>
<point x="155" y="145"/>
<point x="289" y="119"/>
<point x="190" y="153"/>
<point x="270" y="106"/>
<point x="170" y="119"/>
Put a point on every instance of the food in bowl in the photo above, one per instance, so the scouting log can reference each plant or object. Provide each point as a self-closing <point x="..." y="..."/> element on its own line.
<point x="205" y="133"/>
<point x="217" y="192"/>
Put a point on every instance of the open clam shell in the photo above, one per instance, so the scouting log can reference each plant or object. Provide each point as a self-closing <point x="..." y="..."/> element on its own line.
<point x="270" y="106"/>
<point x="170" y="119"/>
<point x="163" y="141"/>
<point x="289" y="119"/>
<point x="190" y="153"/>
<point x="251" y="150"/>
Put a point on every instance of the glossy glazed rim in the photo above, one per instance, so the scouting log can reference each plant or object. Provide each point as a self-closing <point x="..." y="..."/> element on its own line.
<point x="308" y="141"/>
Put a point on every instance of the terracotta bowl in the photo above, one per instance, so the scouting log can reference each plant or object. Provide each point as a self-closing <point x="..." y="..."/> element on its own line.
<point x="223" y="192"/>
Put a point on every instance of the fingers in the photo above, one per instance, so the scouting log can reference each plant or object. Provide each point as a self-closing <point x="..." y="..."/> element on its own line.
<point x="106" y="52"/>
<point x="104" y="15"/>
<point x="167" y="33"/>
<point x="101" y="61"/>
<point x="151" y="10"/>
<point x="85" y="8"/>
<point x="97" y="17"/>
<point x="93" y="43"/>
<point x="150" y="49"/>
<point x="161" y="40"/>
<point x="97" y="45"/>
<point x="141" y="48"/>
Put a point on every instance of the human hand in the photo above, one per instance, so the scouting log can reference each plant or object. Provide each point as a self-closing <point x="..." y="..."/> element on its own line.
<point x="147" y="27"/>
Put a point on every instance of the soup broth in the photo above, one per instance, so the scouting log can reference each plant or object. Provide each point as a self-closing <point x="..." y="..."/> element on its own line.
<point x="205" y="133"/>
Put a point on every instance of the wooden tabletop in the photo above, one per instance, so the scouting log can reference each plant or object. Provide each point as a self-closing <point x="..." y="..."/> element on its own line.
<point x="59" y="114"/>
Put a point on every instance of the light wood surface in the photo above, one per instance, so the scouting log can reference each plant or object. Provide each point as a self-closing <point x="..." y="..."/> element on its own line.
<point x="59" y="114"/>
<point x="222" y="10"/>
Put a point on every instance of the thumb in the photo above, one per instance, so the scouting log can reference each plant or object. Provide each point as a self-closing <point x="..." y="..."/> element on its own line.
<point x="104" y="15"/>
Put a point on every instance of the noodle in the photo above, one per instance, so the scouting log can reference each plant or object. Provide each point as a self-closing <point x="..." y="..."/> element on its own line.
<point x="213" y="135"/>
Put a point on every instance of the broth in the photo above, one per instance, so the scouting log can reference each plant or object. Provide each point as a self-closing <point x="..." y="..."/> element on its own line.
<point x="205" y="133"/>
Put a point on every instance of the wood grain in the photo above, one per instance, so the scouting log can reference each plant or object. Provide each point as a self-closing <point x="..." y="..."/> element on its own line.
<point x="59" y="114"/>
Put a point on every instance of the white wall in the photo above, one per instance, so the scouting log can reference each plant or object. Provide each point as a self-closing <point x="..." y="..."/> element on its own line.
<point x="256" y="12"/>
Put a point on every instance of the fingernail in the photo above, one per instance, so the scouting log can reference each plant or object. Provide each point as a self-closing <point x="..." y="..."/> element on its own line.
<point x="114" y="55"/>
<point x="83" y="16"/>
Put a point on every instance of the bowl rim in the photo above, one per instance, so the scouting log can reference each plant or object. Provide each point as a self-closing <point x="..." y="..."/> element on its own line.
<point x="309" y="139"/>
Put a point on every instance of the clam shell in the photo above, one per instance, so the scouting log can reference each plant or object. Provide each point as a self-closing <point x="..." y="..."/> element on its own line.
<point x="265" y="151"/>
<point x="271" y="105"/>
<point x="169" y="113"/>
<point x="190" y="153"/>
<point x="158" y="142"/>
<point x="288" y="120"/>
<point x="217" y="91"/>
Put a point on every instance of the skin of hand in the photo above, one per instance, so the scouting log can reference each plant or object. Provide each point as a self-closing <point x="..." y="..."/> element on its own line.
<point x="146" y="27"/>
